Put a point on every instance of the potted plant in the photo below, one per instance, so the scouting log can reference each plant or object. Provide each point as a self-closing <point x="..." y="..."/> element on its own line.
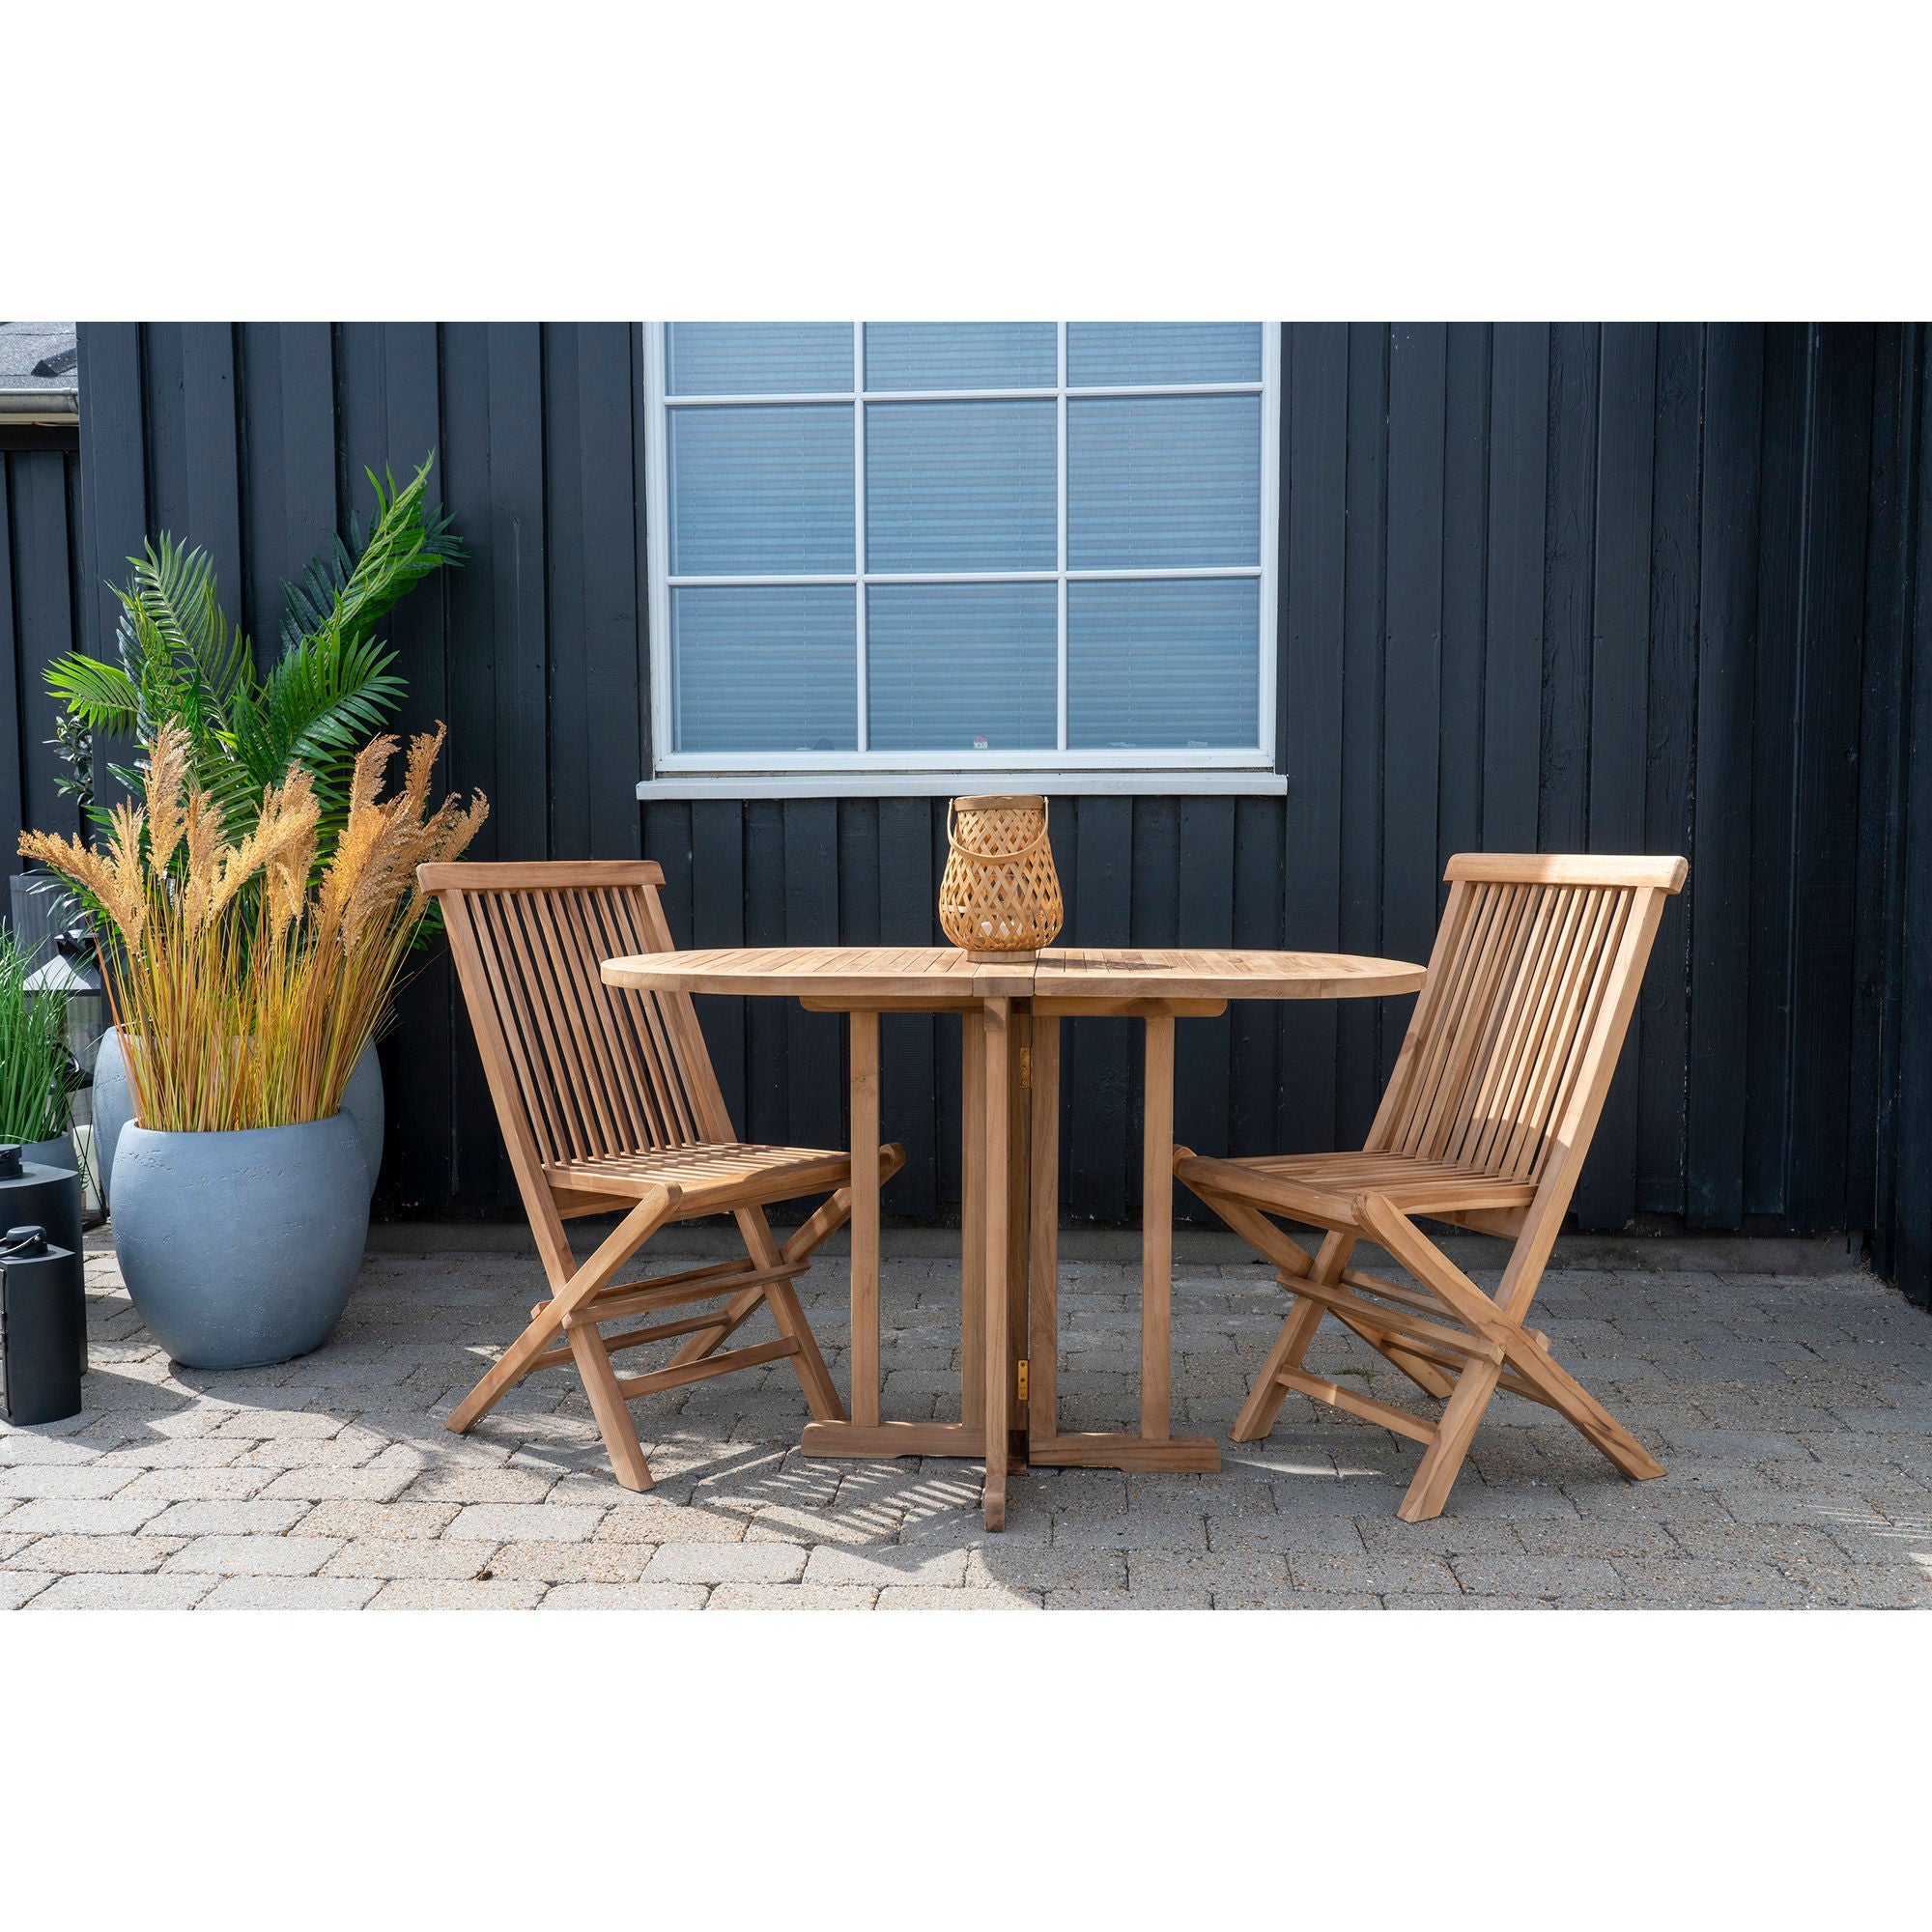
<point x="334" y="683"/>
<point x="246" y="982"/>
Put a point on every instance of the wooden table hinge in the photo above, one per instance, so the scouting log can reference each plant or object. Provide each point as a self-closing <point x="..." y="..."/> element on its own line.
<point x="1026" y="1066"/>
<point x="1021" y="1392"/>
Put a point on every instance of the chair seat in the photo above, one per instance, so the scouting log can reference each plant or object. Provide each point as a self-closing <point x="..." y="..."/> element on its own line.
<point x="741" y="1173"/>
<point x="1327" y="1184"/>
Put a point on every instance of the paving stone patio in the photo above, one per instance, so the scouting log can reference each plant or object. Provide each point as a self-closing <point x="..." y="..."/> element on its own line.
<point x="1793" y="1413"/>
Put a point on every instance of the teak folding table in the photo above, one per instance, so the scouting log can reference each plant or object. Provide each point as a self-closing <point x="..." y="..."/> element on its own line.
<point x="1010" y="1221"/>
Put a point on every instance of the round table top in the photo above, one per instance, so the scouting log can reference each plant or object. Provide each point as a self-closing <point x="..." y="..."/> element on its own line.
<point x="906" y="974"/>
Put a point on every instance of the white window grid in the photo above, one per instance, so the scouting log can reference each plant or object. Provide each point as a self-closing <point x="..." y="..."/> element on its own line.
<point x="1258" y="756"/>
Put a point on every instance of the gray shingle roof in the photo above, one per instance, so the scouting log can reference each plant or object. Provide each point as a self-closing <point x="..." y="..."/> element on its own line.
<point x="38" y="358"/>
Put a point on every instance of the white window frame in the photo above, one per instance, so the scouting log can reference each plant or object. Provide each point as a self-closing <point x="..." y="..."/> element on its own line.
<point x="865" y="771"/>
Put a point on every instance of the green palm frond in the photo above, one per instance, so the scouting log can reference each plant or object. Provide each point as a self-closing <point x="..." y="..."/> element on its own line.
<point x="333" y="687"/>
<point x="347" y="587"/>
<point x="102" y="695"/>
<point x="316" y="708"/>
<point x="175" y="602"/>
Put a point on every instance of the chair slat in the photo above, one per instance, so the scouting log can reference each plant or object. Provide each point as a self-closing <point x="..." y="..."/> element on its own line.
<point x="1517" y="979"/>
<point x="1562" y="1037"/>
<point x="1465" y="1039"/>
<point x="560" y="1070"/>
<point x="1534" y="1002"/>
<point x="664" y="1070"/>
<point x="571" y="999"/>
<point x="1501" y="1043"/>
<point x="522" y="1034"/>
<point x="629" y="1087"/>
<point x="1499" y="1088"/>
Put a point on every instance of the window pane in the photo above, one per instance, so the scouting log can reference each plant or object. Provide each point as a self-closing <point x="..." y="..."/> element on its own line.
<point x="961" y="486"/>
<point x="963" y="666"/>
<point x="1105" y="355"/>
<point x="962" y="355"/>
<point x="1163" y="665"/>
<point x="765" y="668"/>
<point x="1163" y="482"/>
<point x="758" y="359"/>
<point x="761" y="491"/>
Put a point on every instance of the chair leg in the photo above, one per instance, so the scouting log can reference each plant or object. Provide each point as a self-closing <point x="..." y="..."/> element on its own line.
<point x="608" y="1406"/>
<point x="1584" y="1412"/>
<point x="762" y="1251"/>
<point x="1442" y="1460"/>
<point x="821" y="1395"/>
<point x="1264" y="1399"/>
<point x="617" y="1247"/>
<point x="813" y="1377"/>
<point x="1470" y="1305"/>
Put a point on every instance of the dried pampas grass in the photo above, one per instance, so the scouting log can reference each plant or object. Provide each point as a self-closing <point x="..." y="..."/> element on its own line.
<point x="243" y="996"/>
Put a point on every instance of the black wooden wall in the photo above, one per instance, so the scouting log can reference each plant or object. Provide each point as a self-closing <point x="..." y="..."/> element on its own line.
<point x="38" y="572"/>
<point x="1611" y="587"/>
<point x="251" y="440"/>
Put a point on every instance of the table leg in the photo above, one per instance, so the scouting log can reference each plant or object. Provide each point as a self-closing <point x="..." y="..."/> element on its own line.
<point x="864" y="1053"/>
<point x="867" y="1436"/>
<point x="1157" y="1232"/>
<point x="973" y="1221"/>
<point x="1155" y="1447"/>
<point x="1043" y="1240"/>
<point x="1019" y="1225"/>
<point x="996" y="1044"/>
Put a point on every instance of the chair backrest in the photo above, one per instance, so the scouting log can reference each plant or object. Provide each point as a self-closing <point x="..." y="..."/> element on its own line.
<point x="578" y="1069"/>
<point x="1516" y="1034"/>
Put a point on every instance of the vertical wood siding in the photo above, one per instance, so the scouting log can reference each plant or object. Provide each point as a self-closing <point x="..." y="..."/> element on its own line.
<point x="253" y="440"/>
<point x="1583" y="586"/>
<point x="39" y="563"/>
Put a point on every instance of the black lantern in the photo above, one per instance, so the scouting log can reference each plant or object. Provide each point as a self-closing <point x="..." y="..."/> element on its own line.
<point x="72" y="972"/>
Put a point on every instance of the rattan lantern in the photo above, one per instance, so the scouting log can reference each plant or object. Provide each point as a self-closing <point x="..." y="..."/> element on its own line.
<point x="1000" y="899"/>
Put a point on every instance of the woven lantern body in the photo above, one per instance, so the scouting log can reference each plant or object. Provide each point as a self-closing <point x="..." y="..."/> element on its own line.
<point x="999" y="898"/>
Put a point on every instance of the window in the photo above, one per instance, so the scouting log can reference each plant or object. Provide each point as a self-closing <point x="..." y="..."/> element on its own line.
<point x="960" y="546"/>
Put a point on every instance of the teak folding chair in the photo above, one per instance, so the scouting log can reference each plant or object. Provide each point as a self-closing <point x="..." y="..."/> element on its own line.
<point x="1486" y="1123"/>
<point x="607" y="1101"/>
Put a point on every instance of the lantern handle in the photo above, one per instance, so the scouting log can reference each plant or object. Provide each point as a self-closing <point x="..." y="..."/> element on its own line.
<point x="994" y="858"/>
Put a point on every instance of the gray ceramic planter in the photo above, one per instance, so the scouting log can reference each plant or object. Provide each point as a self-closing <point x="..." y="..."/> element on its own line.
<point x="240" y="1249"/>
<point x="362" y="1102"/>
<point x="114" y="1108"/>
<point x="56" y="1152"/>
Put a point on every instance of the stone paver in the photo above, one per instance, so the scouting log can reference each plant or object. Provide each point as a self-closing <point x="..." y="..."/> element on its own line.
<point x="405" y="1557"/>
<point x="535" y="1522"/>
<point x="626" y="1597"/>
<point x="289" y="1593"/>
<point x="414" y="1593"/>
<point x="70" y="1516"/>
<point x="729" y="1563"/>
<point x="1794" y="1417"/>
<point x="228" y="1518"/>
<point x="105" y="1592"/>
<point x="579" y="1562"/>
<point x="253" y="1555"/>
<point x="790" y="1597"/>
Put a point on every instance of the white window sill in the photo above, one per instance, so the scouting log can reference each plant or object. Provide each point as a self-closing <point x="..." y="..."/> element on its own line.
<point x="673" y="785"/>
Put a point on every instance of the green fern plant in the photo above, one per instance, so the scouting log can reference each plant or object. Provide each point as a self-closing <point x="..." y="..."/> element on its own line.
<point x="332" y="690"/>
